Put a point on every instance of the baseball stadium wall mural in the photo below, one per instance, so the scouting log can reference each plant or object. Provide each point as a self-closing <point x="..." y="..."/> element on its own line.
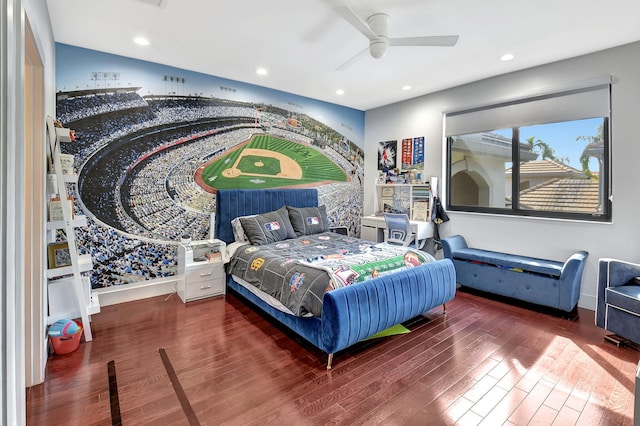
<point x="154" y="143"/>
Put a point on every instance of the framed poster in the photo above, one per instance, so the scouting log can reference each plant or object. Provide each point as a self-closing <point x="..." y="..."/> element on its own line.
<point x="412" y="153"/>
<point x="418" y="152"/>
<point x="387" y="152"/>
<point x="407" y="153"/>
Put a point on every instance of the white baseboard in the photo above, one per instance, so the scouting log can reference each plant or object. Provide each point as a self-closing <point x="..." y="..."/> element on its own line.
<point x="587" y="301"/>
<point x="135" y="291"/>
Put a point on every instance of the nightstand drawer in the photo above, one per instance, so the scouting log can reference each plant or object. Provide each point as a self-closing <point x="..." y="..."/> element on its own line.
<point x="206" y="288"/>
<point x="205" y="272"/>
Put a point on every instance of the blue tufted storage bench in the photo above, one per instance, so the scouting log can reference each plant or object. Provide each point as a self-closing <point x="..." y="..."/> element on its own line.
<point x="539" y="281"/>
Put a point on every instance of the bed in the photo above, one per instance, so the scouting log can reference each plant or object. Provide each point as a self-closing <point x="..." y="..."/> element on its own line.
<point x="350" y="313"/>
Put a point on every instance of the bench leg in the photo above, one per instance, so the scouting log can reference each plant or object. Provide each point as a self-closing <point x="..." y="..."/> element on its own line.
<point x="444" y="308"/>
<point x="329" y="361"/>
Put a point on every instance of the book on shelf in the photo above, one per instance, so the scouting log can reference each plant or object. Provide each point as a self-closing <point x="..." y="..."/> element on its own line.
<point x="55" y="208"/>
<point x="421" y="191"/>
<point x="420" y="211"/>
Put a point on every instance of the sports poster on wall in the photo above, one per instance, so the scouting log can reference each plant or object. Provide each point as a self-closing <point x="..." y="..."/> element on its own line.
<point x="412" y="153"/>
<point x="387" y="155"/>
<point x="154" y="143"/>
<point x="407" y="153"/>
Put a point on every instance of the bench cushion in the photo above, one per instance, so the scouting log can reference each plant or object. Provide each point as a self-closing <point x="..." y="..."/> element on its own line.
<point x="626" y="297"/>
<point x="528" y="264"/>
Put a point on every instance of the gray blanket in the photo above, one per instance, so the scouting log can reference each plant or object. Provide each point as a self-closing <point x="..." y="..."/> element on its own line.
<point x="299" y="271"/>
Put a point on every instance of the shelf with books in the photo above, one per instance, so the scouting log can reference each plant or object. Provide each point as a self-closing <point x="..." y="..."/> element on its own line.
<point x="411" y="199"/>
<point x="65" y="263"/>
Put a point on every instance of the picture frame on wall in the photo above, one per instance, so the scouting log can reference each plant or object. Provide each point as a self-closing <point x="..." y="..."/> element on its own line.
<point x="58" y="255"/>
<point x="387" y="153"/>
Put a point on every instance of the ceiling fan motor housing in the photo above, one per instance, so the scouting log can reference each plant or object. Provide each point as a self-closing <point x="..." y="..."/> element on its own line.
<point x="379" y="24"/>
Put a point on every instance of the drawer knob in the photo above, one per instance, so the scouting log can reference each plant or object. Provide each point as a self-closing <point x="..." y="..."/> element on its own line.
<point x="206" y="275"/>
<point x="205" y="287"/>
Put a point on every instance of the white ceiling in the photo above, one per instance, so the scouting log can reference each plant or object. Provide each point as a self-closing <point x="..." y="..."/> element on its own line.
<point x="302" y="42"/>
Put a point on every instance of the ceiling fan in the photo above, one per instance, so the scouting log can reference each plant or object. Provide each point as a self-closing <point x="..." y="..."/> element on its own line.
<point x="157" y="3"/>
<point x="376" y="30"/>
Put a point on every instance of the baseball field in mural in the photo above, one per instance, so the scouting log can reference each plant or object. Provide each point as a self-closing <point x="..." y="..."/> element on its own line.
<point x="267" y="161"/>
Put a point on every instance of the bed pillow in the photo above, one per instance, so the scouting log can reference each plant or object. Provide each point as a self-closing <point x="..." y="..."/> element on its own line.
<point x="238" y="231"/>
<point x="268" y="227"/>
<point x="308" y="220"/>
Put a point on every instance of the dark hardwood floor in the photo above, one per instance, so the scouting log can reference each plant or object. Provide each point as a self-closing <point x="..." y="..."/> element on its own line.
<point x="486" y="362"/>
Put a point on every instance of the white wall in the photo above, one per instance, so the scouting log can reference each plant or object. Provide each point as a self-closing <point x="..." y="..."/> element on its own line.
<point x="546" y="238"/>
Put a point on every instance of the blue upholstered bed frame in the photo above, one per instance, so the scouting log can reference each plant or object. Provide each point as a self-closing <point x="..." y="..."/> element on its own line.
<point x="349" y="314"/>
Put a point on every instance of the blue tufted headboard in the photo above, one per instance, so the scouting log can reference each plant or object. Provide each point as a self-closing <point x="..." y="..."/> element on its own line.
<point x="231" y="203"/>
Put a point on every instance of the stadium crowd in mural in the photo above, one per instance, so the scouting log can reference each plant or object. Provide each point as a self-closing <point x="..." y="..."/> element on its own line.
<point x="137" y="156"/>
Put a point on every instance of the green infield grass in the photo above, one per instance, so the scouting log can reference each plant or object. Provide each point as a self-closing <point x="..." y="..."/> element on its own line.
<point x="267" y="161"/>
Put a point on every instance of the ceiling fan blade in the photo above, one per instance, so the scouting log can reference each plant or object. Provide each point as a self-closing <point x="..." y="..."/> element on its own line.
<point x="355" y="21"/>
<point x="352" y="60"/>
<point x="445" y="41"/>
<point x="157" y="3"/>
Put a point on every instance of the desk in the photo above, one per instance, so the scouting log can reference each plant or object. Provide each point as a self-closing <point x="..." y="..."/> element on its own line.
<point x="372" y="229"/>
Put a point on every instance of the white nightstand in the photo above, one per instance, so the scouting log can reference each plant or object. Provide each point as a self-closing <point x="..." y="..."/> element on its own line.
<point x="200" y="270"/>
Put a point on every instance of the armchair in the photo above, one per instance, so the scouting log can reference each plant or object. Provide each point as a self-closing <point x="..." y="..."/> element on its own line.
<point x="618" y="298"/>
<point x="398" y="229"/>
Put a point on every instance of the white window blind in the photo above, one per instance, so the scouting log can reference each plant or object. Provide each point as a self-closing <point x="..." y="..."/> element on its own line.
<point x="567" y="105"/>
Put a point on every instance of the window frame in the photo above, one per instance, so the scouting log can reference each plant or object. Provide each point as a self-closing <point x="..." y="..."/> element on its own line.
<point x="515" y="210"/>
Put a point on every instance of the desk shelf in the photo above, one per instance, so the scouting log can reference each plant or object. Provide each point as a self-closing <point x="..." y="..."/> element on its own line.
<point x="412" y="199"/>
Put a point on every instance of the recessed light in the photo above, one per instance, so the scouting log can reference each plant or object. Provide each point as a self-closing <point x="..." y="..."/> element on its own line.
<point x="142" y="41"/>
<point x="340" y="92"/>
<point x="406" y="87"/>
<point x="507" y="57"/>
<point x="262" y="71"/>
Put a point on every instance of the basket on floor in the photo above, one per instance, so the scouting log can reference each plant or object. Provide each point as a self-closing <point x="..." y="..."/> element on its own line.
<point x="68" y="343"/>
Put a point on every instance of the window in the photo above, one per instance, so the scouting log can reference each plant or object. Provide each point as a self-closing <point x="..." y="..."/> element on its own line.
<point x="545" y="156"/>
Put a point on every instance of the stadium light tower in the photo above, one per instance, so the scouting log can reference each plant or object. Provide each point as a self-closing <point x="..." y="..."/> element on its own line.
<point x="173" y="79"/>
<point x="104" y="76"/>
